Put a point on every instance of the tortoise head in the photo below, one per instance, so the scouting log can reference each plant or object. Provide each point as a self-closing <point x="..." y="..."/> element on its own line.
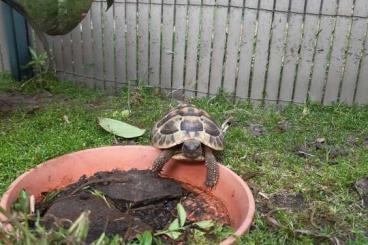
<point x="192" y="148"/>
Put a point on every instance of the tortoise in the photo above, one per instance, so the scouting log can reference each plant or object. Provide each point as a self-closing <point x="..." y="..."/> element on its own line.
<point x="188" y="133"/>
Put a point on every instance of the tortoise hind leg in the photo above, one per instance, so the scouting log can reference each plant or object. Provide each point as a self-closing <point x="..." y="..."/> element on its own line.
<point x="163" y="158"/>
<point x="212" y="168"/>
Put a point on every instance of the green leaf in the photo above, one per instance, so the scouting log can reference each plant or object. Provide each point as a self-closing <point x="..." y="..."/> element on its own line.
<point x="145" y="238"/>
<point x="182" y="214"/>
<point x="125" y="113"/>
<point x="109" y="4"/>
<point x="22" y="202"/>
<point x="205" y="224"/>
<point x="174" y="225"/>
<point x="173" y="234"/>
<point x="33" y="53"/>
<point x="119" y="128"/>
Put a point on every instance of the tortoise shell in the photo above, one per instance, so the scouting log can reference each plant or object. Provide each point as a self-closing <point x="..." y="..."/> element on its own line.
<point x="184" y="123"/>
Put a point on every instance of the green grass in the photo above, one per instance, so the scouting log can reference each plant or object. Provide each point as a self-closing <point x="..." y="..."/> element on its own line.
<point x="331" y="206"/>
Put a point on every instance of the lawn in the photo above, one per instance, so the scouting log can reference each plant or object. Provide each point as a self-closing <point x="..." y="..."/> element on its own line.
<point x="302" y="176"/>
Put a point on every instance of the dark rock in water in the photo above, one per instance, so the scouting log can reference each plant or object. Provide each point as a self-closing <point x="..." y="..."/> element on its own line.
<point x="103" y="217"/>
<point x="140" y="188"/>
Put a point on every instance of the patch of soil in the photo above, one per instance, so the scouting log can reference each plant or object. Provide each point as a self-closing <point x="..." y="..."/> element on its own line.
<point x="11" y="101"/>
<point x="362" y="188"/>
<point x="292" y="201"/>
<point x="283" y="126"/>
<point x="256" y="130"/>
<point x="129" y="203"/>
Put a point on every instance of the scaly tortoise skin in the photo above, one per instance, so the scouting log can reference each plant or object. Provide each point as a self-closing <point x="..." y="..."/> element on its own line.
<point x="188" y="133"/>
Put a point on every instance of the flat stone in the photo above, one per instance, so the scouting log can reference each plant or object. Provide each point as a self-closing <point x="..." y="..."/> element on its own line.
<point x="141" y="188"/>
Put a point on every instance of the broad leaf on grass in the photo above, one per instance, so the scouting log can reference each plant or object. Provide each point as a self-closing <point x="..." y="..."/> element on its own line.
<point x="182" y="214"/>
<point x="120" y="128"/>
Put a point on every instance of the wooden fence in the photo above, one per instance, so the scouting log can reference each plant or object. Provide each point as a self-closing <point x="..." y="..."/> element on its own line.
<point x="271" y="51"/>
<point x="4" y="55"/>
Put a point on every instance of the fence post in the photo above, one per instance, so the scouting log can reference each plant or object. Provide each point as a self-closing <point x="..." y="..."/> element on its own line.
<point x="16" y="39"/>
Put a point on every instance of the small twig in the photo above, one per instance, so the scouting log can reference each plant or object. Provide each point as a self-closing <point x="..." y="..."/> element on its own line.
<point x="97" y="181"/>
<point x="225" y="125"/>
<point x="312" y="219"/>
<point x="127" y="233"/>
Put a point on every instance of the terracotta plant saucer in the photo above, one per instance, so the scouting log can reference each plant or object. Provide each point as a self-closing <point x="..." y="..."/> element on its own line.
<point x="64" y="170"/>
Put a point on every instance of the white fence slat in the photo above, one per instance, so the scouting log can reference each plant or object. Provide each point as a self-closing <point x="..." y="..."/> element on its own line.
<point x="143" y="15"/>
<point x="37" y="45"/>
<point x="120" y="44"/>
<point x="58" y="56"/>
<point x="291" y="52"/>
<point x="361" y="97"/>
<point x="192" y="47"/>
<point x="205" y="47"/>
<point x="97" y="44"/>
<point x="321" y="58"/>
<point x="246" y="49"/>
<point x="307" y="51"/>
<point x="109" y="49"/>
<point x="336" y="67"/>
<point x="131" y="21"/>
<point x="167" y="48"/>
<point x="155" y="43"/>
<point x="276" y="52"/>
<point x="218" y="46"/>
<point x="261" y="54"/>
<point x="179" y="43"/>
<point x="88" y="66"/>
<point x="232" y="46"/>
<point x="67" y="57"/>
<point x="358" y="31"/>
<point x="77" y="54"/>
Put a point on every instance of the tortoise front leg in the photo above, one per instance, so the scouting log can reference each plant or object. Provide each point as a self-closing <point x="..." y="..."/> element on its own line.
<point x="163" y="158"/>
<point x="212" y="168"/>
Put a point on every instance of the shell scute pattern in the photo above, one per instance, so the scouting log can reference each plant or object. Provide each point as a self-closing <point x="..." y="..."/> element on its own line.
<point x="184" y="123"/>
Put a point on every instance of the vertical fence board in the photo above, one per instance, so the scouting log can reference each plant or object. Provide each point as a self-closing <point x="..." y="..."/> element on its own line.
<point x="67" y="57"/>
<point x="246" y="49"/>
<point x="97" y="44"/>
<point x="361" y="97"/>
<point x="87" y="40"/>
<point x="291" y="52"/>
<point x="276" y="51"/>
<point x="143" y="15"/>
<point x="232" y="46"/>
<point x="307" y="51"/>
<point x="217" y="58"/>
<point x="155" y="43"/>
<point x="167" y="49"/>
<point x="261" y="54"/>
<point x="4" y="59"/>
<point x="58" y="56"/>
<point x="358" y="31"/>
<point x="179" y="43"/>
<point x="77" y="54"/>
<point x="109" y="49"/>
<point x="192" y="47"/>
<point x="336" y="68"/>
<point x="120" y="44"/>
<point x="205" y="47"/>
<point x="131" y="19"/>
<point x="321" y="58"/>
